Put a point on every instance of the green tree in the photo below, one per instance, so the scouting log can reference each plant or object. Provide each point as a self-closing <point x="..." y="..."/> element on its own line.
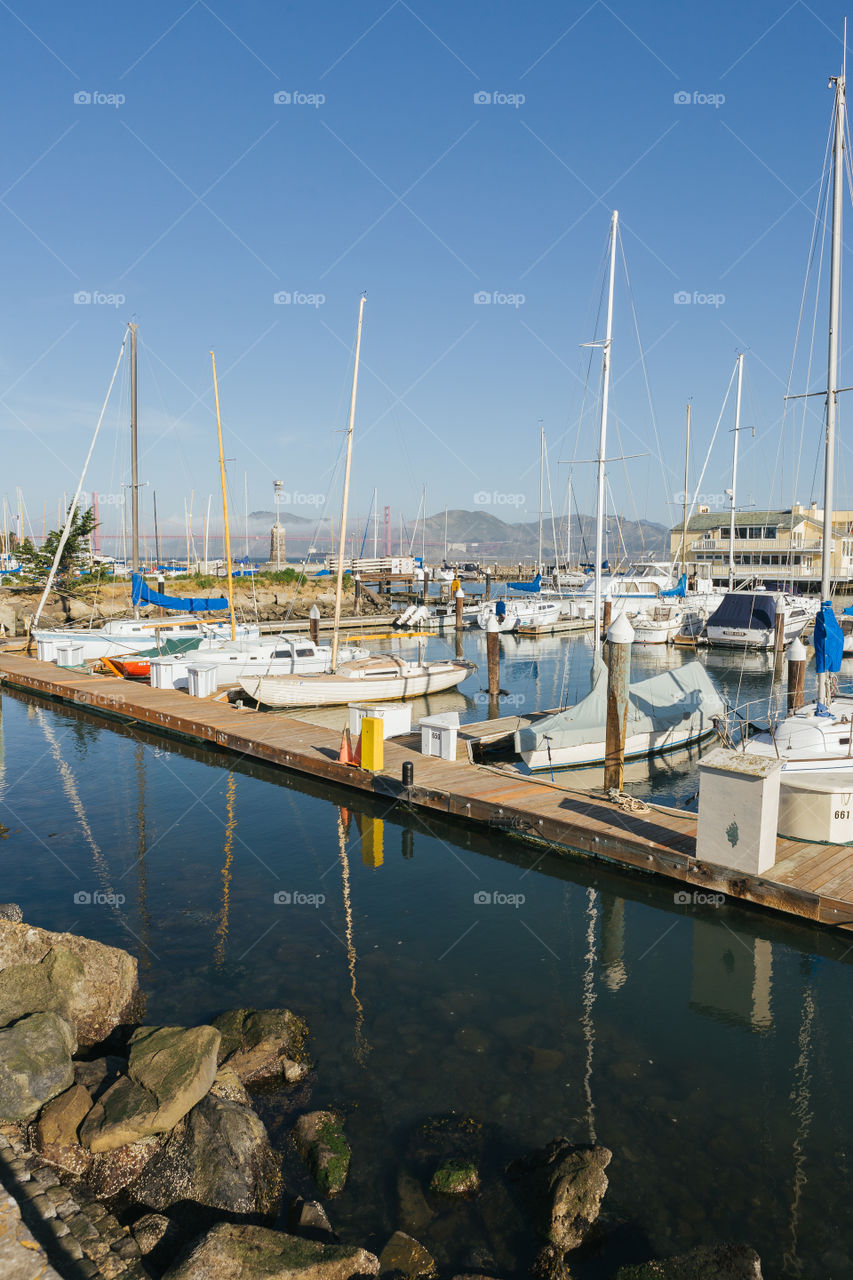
<point x="36" y="561"/>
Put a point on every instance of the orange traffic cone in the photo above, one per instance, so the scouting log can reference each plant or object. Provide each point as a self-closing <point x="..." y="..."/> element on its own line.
<point x="345" y="755"/>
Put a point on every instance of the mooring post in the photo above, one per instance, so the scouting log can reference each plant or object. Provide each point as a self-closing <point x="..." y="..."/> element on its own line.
<point x="161" y="587"/>
<point x="778" y="645"/>
<point x="608" y="613"/>
<point x="426" y="585"/>
<point x="620" y="636"/>
<point x="460" y="601"/>
<point x="796" y="675"/>
<point x="493" y="656"/>
<point x="488" y="591"/>
<point x="314" y="623"/>
<point x="357" y="581"/>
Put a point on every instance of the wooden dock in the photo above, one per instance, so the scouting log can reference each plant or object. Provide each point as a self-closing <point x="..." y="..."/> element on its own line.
<point x="561" y="626"/>
<point x="809" y="881"/>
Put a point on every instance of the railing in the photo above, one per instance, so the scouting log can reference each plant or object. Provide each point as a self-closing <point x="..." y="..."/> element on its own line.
<point x="758" y="544"/>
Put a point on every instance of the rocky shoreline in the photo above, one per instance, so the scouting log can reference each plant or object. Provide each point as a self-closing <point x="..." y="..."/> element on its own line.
<point x="137" y="1151"/>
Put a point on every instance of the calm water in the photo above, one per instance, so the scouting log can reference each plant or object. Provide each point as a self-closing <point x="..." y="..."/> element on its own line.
<point x="708" y="1047"/>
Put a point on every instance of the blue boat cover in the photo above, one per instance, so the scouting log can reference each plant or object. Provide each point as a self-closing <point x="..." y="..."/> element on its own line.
<point x="828" y="639"/>
<point x="535" y="585"/>
<point x="679" y="589"/>
<point x="744" y="610"/>
<point x="143" y="594"/>
<point x="500" y="609"/>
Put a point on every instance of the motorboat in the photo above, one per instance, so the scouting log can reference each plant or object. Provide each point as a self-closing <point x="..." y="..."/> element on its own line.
<point x="747" y="619"/>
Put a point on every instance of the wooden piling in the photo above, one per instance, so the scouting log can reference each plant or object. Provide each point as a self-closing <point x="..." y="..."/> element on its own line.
<point x="426" y="585"/>
<point x="357" y="581"/>
<point x="796" y="676"/>
<point x="620" y="636"/>
<point x="608" y="612"/>
<point x="493" y="656"/>
<point x="488" y="591"/>
<point x="314" y="624"/>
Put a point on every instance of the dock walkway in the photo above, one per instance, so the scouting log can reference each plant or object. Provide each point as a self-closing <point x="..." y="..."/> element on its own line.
<point x="810" y="881"/>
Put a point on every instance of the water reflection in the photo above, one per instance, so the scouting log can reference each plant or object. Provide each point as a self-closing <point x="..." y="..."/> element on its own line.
<point x="685" y="1039"/>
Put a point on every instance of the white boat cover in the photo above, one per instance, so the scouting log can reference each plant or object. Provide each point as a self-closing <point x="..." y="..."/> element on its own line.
<point x="662" y="702"/>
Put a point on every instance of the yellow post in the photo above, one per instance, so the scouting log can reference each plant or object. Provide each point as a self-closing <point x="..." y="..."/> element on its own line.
<point x="224" y="503"/>
<point x="372" y="744"/>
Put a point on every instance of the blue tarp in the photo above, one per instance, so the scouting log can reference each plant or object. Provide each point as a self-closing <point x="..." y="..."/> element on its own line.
<point x="828" y="639"/>
<point x="142" y="594"/>
<point x="679" y="589"/>
<point x="535" y="585"/>
<point x="744" y="610"/>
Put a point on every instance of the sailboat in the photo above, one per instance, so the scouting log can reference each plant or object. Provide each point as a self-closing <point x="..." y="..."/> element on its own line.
<point x="378" y="678"/>
<point x="815" y="742"/>
<point x="668" y="711"/>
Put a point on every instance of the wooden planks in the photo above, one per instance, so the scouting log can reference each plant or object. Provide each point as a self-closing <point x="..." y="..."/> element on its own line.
<point x="810" y="881"/>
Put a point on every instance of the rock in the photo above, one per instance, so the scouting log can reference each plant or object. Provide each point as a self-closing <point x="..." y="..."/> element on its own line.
<point x="407" y="1257"/>
<point x="227" y="1085"/>
<point x="157" y="1237"/>
<point x="92" y="986"/>
<point x="264" y="1046"/>
<point x="309" y="1219"/>
<point x="111" y="1172"/>
<point x="220" y="1157"/>
<point x="170" y="1069"/>
<point x="455" y="1178"/>
<point x="565" y="1184"/>
<point x="709" y="1262"/>
<point x="11" y="911"/>
<point x="35" y="1064"/>
<point x="55" y="1134"/>
<point x="255" y="1253"/>
<point x="97" y="1075"/>
<point x="414" y="1212"/>
<point x="320" y="1141"/>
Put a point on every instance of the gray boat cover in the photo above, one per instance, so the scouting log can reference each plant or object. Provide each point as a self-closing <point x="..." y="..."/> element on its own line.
<point x="654" y="705"/>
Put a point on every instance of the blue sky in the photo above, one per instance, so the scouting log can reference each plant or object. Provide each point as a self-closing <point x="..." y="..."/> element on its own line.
<point x="181" y="194"/>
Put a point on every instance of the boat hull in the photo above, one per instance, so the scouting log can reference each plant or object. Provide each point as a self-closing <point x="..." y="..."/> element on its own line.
<point x="636" y="747"/>
<point x="331" y="691"/>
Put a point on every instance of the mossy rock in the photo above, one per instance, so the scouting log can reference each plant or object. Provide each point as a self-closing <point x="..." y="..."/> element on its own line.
<point x="708" y="1262"/>
<point x="320" y="1141"/>
<point x="455" y="1178"/>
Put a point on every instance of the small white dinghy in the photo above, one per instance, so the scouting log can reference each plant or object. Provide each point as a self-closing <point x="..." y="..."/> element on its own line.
<point x="659" y="626"/>
<point x="379" y="678"/>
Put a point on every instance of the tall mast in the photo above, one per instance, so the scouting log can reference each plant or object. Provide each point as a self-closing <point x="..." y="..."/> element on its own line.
<point x="834" y="316"/>
<point x="134" y="457"/>
<point x="156" y="531"/>
<point x="224" y="502"/>
<point x="541" y="472"/>
<point x="445" y="536"/>
<point x="342" y="539"/>
<point x="732" y="491"/>
<point x="686" y="495"/>
<point x="375" y="525"/>
<point x="602" y="436"/>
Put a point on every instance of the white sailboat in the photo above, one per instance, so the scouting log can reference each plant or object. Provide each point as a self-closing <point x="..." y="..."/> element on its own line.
<point x="379" y="677"/>
<point x="815" y="743"/>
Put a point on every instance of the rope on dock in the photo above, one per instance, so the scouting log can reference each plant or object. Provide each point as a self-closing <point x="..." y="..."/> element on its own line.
<point x="629" y="803"/>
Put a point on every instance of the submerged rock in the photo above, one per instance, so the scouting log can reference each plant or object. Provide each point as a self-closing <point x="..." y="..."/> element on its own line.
<point x="320" y="1141"/>
<point x="455" y="1178"/>
<point x="35" y="1064"/>
<point x="264" y="1046"/>
<point x="255" y="1253"/>
<point x="219" y="1156"/>
<point x="92" y="986"/>
<point x="565" y="1184"/>
<point x="309" y="1219"/>
<point x="708" y="1262"/>
<point x="170" y="1069"/>
<point x="405" y="1256"/>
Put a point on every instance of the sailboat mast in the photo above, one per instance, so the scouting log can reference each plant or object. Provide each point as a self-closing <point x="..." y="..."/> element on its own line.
<point x="224" y="502"/>
<point x="733" y="489"/>
<point x="343" y="533"/>
<point x="834" y="315"/>
<point x="602" y="436"/>
<point x="686" y="496"/>
<point x="134" y="456"/>
<point x="156" y="531"/>
<point x="541" y="472"/>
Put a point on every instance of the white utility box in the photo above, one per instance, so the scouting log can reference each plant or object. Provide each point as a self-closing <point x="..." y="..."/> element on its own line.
<point x="201" y="679"/>
<point x="168" y="673"/>
<point x="396" y="720"/>
<point x="69" y="655"/>
<point x="738" y="810"/>
<point x="438" y="735"/>
<point x="46" y="650"/>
